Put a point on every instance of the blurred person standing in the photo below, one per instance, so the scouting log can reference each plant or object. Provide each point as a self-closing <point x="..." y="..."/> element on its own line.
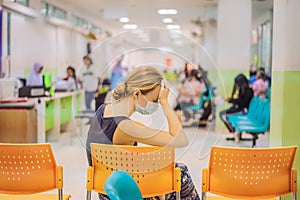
<point x="89" y="80"/>
<point x="117" y="74"/>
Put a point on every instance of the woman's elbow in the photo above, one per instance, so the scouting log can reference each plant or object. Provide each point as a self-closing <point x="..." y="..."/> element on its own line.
<point x="183" y="143"/>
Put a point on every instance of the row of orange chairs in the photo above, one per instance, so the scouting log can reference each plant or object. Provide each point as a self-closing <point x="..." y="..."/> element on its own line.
<point x="27" y="169"/>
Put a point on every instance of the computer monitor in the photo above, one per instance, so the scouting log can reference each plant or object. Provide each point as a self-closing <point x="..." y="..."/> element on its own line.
<point x="47" y="81"/>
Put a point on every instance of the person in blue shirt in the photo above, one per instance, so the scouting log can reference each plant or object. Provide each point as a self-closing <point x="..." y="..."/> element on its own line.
<point x="117" y="75"/>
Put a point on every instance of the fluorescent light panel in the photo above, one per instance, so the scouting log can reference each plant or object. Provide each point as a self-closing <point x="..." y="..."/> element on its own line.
<point x="129" y="26"/>
<point x="173" y="26"/>
<point x="124" y="19"/>
<point x="167" y="20"/>
<point x="167" y="11"/>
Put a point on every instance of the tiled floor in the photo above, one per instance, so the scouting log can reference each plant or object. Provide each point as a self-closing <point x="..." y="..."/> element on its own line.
<point x="70" y="153"/>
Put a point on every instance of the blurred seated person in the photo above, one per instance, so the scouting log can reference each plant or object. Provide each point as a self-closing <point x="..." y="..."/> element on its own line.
<point x="71" y="77"/>
<point x="207" y="108"/>
<point x="268" y="78"/>
<point x="189" y="95"/>
<point x="240" y="100"/>
<point x="252" y="74"/>
<point x="35" y="78"/>
<point x="260" y="86"/>
<point x="184" y="74"/>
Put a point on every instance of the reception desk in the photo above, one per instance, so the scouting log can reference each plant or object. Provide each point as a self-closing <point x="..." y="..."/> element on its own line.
<point x="18" y="123"/>
<point x="40" y="119"/>
<point x="56" y="113"/>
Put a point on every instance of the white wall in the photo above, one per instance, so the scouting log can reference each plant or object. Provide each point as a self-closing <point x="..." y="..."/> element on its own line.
<point x="234" y="39"/>
<point x="209" y="45"/>
<point x="35" y="40"/>
<point x="31" y="41"/>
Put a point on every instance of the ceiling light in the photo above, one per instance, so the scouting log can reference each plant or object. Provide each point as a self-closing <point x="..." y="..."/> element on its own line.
<point x="129" y="26"/>
<point x="167" y="11"/>
<point x="124" y="19"/>
<point x="167" y="20"/>
<point x="173" y="27"/>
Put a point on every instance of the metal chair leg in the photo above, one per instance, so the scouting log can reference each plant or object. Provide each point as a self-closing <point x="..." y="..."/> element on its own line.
<point x="177" y="195"/>
<point x="89" y="195"/>
<point x="203" y="196"/>
<point x="60" y="194"/>
<point x="294" y="196"/>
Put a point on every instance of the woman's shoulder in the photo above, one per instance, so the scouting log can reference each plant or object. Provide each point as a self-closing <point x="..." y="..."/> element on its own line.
<point x="101" y="114"/>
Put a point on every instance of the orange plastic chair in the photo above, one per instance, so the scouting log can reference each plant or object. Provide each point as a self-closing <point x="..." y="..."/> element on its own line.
<point x="29" y="169"/>
<point x="152" y="168"/>
<point x="242" y="173"/>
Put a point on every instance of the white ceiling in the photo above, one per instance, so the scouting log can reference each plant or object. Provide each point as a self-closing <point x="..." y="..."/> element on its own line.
<point x="144" y="12"/>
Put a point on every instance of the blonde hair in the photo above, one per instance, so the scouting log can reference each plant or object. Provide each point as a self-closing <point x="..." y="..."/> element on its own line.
<point x="143" y="78"/>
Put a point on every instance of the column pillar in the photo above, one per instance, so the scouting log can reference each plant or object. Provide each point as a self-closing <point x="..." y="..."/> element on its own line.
<point x="233" y="44"/>
<point x="285" y="95"/>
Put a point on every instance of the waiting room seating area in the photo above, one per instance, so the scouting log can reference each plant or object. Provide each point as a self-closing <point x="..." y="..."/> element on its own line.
<point x="236" y="173"/>
<point x="243" y="173"/>
<point x="29" y="169"/>
<point x="256" y="121"/>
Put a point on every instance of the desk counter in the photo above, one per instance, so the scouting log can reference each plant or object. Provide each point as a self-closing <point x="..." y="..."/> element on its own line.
<point x="56" y="112"/>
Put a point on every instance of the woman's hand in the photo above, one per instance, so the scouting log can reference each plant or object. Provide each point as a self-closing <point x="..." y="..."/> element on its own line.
<point x="163" y="94"/>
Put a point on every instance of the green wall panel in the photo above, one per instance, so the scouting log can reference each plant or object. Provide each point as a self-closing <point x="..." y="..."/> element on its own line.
<point x="78" y="103"/>
<point x="285" y="113"/>
<point x="65" y="109"/>
<point x="49" y="119"/>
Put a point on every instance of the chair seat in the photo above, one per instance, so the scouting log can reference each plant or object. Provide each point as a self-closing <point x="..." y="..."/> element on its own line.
<point x="33" y="197"/>
<point x="242" y="122"/>
<point x="251" y="129"/>
<point x="224" y="198"/>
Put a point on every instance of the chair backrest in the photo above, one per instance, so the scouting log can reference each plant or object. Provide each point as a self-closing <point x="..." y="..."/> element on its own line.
<point x="202" y="99"/>
<point x="121" y="186"/>
<point x="265" y="115"/>
<point x="258" y="108"/>
<point x="261" y="110"/>
<point x="27" y="168"/>
<point x="252" y="173"/>
<point x="146" y="164"/>
<point x="252" y="106"/>
<point x="268" y="93"/>
<point x="211" y="92"/>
